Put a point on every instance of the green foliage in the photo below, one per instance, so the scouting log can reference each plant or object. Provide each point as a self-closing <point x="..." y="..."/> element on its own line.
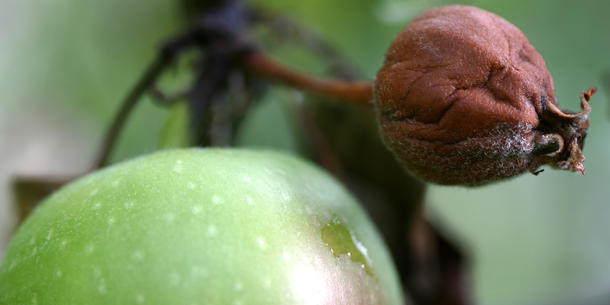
<point x="175" y="133"/>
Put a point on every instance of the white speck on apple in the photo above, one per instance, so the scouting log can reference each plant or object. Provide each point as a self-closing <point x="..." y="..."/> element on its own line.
<point x="212" y="230"/>
<point x="89" y="248"/>
<point x="128" y="204"/>
<point x="261" y="242"/>
<point x="102" y="288"/>
<point x="178" y="168"/>
<point x="308" y="210"/>
<point x="97" y="272"/>
<point x="197" y="209"/>
<point x="174" y="279"/>
<point x="169" y="217"/>
<point x="138" y="255"/>
<point x="286" y="197"/>
<point x="267" y="283"/>
<point x="197" y="271"/>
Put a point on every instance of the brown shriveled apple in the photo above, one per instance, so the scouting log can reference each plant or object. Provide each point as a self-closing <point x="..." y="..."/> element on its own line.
<point x="463" y="98"/>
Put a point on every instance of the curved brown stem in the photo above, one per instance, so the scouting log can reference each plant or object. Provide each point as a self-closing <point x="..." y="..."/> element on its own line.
<point x="347" y="91"/>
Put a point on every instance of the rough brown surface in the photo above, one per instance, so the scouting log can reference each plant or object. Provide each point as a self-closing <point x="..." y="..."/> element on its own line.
<point x="464" y="98"/>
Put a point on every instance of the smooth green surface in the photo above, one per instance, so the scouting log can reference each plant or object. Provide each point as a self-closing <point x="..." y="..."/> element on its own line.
<point x="200" y="227"/>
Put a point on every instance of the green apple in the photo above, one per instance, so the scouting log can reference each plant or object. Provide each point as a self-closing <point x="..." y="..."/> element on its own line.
<point x="200" y="226"/>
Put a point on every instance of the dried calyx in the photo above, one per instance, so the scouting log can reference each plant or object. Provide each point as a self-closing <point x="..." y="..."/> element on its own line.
<point x="464" y="98"/>
<point x="561" y="145"/>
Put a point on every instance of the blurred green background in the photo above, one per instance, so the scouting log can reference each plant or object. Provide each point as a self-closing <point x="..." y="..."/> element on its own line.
<point x="65" y="65"/>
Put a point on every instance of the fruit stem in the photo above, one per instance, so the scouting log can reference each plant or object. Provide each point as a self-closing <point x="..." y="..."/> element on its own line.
<point x="360" y="92"/>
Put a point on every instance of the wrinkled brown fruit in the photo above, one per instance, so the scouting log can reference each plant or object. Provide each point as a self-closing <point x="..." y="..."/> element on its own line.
<point x="464" y="98"/>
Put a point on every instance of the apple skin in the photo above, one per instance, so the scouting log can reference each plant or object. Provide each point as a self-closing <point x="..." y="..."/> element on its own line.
<point x="200" y="226"/>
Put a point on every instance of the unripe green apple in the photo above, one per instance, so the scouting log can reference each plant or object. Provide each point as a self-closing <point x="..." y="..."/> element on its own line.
<point x="200" y="226"/>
